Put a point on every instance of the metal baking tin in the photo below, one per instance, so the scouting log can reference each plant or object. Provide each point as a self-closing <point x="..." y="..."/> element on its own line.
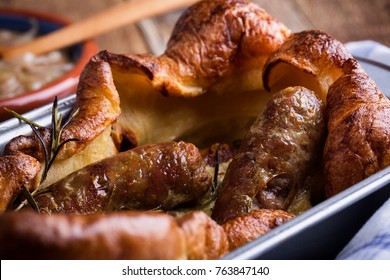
<point x="42" y="116"/>
<point x="319" y="233"/>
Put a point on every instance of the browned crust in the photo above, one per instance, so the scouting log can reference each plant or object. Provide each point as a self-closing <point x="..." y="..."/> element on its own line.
<point x="205" y="239"/>
<point x="28" y="144"/>
<point x="312" y="51"/>
<point x="358" y="144"/>
<point x="210" y="40"/>
<point x="98" y="103"/>
<point x="212" y="37"/>
<point x="146" y="64"/>
<point x="250" y="226"/>
<point x="15" y="171"/>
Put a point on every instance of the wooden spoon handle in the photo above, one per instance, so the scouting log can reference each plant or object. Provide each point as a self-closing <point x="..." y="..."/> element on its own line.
<point x="107" y="20"/>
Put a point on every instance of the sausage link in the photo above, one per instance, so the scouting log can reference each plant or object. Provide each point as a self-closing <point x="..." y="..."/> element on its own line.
<point x="275" y="156"/>
<point x="147" y="177"/>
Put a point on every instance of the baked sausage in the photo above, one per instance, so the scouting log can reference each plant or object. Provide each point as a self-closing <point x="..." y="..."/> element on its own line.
<point x="275" y="156"/>
<point x="151" y="176"/>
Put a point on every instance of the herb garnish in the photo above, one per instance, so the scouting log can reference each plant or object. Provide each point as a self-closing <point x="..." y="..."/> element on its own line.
<point x="51" y="153"/>
<point x="214" y="187"/>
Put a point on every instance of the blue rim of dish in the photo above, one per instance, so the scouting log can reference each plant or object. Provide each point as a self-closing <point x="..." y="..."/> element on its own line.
<point x="22" y="24"/>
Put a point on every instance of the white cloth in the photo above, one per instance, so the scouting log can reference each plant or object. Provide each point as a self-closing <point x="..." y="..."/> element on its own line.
<point x="373" y="240"/>
<point x="371" y="50"/>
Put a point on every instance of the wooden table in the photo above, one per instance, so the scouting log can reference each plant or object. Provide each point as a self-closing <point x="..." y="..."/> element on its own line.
<point x="346" y="20"/>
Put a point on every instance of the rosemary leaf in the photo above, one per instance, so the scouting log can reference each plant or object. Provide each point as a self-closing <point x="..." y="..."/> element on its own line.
<point x="214" y="187"/>
<point x="57" y="128"/>
<point x="45" y="151"/>
<point x="71" y="117"/>
<point x="41" y="192"/>
<point x="51" y="152"/>
<point x="30" y="199"/>
<point x="216" y="171"/>
<point x="20" y="117"/>
<point x="55" y="131"/>
<point x="58" y="149"/>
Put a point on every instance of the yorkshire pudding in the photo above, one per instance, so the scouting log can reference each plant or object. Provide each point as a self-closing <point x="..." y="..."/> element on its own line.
<point x="358" y="143"/>
<point x="212" y="83"/>
<point x="98" y="107"/>
<point x="208" y="87"/>
<point x="310" y="58"/>
<point x="358" y="138"/>
<point x="210" y="73"/>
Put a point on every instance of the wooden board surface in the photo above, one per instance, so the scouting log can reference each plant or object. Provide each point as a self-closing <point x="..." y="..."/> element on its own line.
<point x="346" y="20"/>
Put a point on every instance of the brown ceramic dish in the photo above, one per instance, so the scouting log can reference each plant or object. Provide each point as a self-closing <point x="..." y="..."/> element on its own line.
<point x="18" y="20"/>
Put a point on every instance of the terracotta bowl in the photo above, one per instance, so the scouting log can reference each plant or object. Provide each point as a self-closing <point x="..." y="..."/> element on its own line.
<point x="19" y="20"/>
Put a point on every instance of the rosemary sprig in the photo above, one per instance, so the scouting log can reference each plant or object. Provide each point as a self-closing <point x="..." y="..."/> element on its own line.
<point x="50" y="155"/>
<point x="216" y="172"/>
<point x="30" y="199"/>
<point x="20" y="117"/>
<point x="214" y="187"/>
<point x="56" y="144"/>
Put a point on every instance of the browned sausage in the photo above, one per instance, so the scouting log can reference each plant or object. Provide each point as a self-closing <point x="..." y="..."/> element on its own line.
<point x="275" y="156"/>
<point x="151" y="176"/>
